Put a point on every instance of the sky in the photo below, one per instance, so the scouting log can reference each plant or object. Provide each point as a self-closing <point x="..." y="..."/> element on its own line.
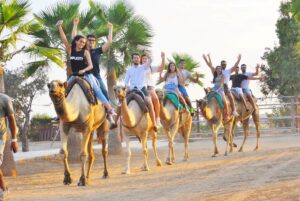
<point x="223" y="28"/>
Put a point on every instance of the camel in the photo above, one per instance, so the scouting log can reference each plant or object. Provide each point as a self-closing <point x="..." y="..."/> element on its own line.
<point x="74" y="111"/>
<point x="172" y="123"/>
<point x="213" y="113"/>
<point x="244" y="117"/>
<point x="138" y="123"/>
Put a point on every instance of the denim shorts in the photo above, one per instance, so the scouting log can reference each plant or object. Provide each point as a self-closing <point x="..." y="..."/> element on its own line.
<point x="182" y="90"/>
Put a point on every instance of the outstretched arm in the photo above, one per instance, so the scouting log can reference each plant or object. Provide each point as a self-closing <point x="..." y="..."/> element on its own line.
<point x="256" y="70"/>
<point x="163" y="61"/>
<point x="208" y="62"/>
<point x="107" y="45"/>
<point x="63" y="36"/>
<point x="75" y="25"/>
<point x="236" y="63"/>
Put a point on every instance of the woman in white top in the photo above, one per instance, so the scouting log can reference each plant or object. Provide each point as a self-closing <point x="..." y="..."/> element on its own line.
<point x="172" y="78"/>
<point x="151" y="82"/>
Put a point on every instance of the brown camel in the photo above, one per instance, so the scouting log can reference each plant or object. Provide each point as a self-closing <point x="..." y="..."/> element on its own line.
<point x="213" y="113"/>
<point x="76" y="112"/>
<point x="244" y="117"/>
<point x="138" y="123"/>
<point x="174" y="122"/>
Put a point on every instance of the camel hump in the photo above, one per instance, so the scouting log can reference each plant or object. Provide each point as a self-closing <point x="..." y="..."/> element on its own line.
<point x="139" y="99"/>
<point x="86" y="88"/>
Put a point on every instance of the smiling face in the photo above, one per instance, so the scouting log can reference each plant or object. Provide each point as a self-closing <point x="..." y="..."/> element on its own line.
<point x="91" y="42"/>
<point x="223" y="64"/>
<point x="136" y="59"/>
<point x="219" y="70"/>
<point x="172" y="68"/>
<point x="144" y="59"/>
<point x="80" y="44"/>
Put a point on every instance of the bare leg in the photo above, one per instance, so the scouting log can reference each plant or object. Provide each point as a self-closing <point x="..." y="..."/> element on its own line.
<point x="128" y="155"/>
<point x="246" y="133"/>
<point x="231" y="100"/>
<point x="251" y="100"/>
<point x="244" y="102"/>
<point x="151" y="112"/>
<point x="187" y="100"/>
<point x="153" y="134"/>
<point x="155" y="102"/>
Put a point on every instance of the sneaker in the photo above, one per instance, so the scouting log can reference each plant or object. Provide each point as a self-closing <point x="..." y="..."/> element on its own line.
<point x="3" y="194"/>
<point x="235" y="114"/>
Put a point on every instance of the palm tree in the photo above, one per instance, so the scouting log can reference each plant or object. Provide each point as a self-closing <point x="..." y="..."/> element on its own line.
<point x="15" y="27"/>
<point x="130" y="31"/>
<point x="190" y="64"/>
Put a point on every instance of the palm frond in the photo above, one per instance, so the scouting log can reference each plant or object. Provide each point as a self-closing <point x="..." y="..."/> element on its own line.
<point x="32" y="67"/>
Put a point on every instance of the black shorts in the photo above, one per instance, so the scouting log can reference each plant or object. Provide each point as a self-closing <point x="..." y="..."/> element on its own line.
<point x="145" y="92"/>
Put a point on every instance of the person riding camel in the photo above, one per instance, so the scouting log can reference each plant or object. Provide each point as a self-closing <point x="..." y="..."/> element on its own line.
<point x="96" y="52"/>
<point x="173" y="78"/>
<point x="151" y="83"/>
<point x="237" y="80"/>
<point x="136" y="78"/>
<point x="81" y="64"/>
<point x="186" y="75"/>
<point x="245" y="84"/>
<point x="226" y="73"/>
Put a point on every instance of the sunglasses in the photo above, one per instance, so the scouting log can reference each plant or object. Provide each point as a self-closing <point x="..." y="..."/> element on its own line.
<point x="92" y="40"/>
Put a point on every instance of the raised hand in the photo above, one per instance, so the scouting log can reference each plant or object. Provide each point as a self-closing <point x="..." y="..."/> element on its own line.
<point x="60" y="22"/>
<point x="239" y="57"/>
<point x="76" y="21"/>
<point x="109" y="25"/>
<point x="163" y="55"/>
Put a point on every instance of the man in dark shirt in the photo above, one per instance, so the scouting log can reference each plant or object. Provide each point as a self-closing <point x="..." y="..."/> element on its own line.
<point x="236" y="85"/>
<point x="96" y="52"/>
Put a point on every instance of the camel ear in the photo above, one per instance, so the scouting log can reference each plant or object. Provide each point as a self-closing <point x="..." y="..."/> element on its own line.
<point x="65" y="84"/>
<point x="206" y="90"/>
<point x="48" y="85"/>
<point x="124" y="88"/>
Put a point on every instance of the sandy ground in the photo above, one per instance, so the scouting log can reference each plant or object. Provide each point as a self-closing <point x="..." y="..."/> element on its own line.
<point x="272" y="173"/>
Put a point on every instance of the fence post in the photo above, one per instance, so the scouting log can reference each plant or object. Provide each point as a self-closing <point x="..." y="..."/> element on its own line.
<point x="198" y="118"/>
<point x="293" y="112"/>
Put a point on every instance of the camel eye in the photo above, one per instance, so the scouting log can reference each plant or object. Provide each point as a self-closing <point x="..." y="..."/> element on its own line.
<point x="60" y="84"/>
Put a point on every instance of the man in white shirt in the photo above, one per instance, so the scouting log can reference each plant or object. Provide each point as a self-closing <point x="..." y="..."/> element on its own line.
<point x="136" y="77"/>
<point x="245" y="84"/>
<point x="186" y="75"/>
<point x="226" y="73"/>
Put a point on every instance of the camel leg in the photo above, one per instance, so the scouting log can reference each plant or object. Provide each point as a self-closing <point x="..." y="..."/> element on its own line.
<point x="145" y="166"/>
<point x="215" y="138"/>
<point x="168" y="160"/>
<point x="186" y="135"/>
<point x="154" y="136"/>
<point x="83" y="156"/>
<point x="128" y="155"/>
<point x="64" y="139"/>
<point x="227" y="135"/>
<point x="232" y="135"/>
<point x="255" y="117"/>
<point x="246" y="133"/>
<point x="91" y="157"/>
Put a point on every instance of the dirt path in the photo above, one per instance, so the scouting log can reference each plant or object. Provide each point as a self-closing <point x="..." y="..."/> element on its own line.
<point x="269" y="174"/>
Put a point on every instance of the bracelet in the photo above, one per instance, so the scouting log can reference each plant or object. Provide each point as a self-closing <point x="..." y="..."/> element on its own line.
<point x="14" y="140"/>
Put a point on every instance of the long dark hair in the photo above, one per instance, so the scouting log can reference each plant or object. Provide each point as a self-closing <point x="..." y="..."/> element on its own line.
<point x="75" y="39"/>
<point x="216" y="74"/>
<point x="169" y="67"/>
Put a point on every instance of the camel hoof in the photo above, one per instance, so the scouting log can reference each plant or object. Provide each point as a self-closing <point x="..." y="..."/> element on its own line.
<point x="126" y="172"/>
<point x="82" y="181"/>
<point x="168" y="163"/>
<point x="214" y="155"/>
<point x="231" y="150"/>
<point x="173" y="160"/>
<point x="234" y="145"/>
<point x="105" y="175"/>
<point x="67" y="180"/>
<point x="145" y="168"/>
<point x="158" y="163"/>
<point x="255" y="149"/>
<point x="240" y="150"/>
<point x="226" y="154"/>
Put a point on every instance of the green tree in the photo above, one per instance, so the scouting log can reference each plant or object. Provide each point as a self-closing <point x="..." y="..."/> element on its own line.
<point x="190" y="64"/>
<point x="282" y="75"/>
<point x="25" y="90"/>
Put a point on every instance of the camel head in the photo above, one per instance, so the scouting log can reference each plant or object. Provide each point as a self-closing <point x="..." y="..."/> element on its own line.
<point x="206" y="111"/>
<point x="120" y="92"/>
<point x="207" y="90"/>
<point x="160" y="94"/>
<point x="57" y="89"/>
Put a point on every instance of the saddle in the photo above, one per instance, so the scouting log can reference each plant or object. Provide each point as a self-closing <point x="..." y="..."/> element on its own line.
<point x="238" y="98"/>
<point x="174" y="100"/>
<point x="86" y="88"/>
<point x="218" y="98"/>
<point x="139" y="97"/>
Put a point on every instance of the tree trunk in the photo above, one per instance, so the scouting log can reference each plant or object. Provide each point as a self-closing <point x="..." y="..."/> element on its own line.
<point x="114" y="142"/>
<point x="74" y="146"/>
<point x="24" y="132"/>
<point x="8" y="166"/>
